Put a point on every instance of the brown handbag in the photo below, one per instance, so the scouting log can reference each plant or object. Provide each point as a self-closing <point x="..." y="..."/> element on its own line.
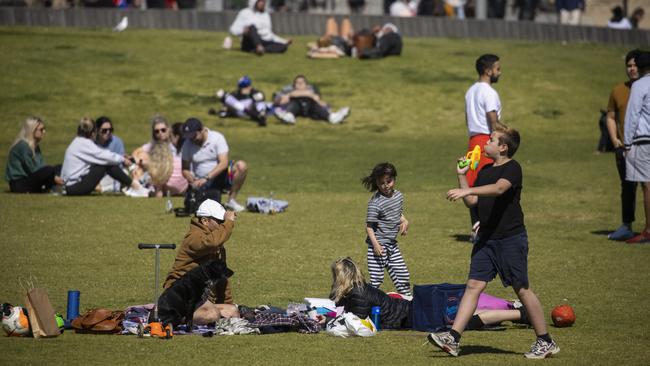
<point x="99" y="321"/>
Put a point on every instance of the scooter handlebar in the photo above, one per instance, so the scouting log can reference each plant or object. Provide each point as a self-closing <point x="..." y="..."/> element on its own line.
<point x="154" y="246"/>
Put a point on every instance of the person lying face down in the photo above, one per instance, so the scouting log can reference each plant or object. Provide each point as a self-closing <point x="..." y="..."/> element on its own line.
<point x="350" y="290"/>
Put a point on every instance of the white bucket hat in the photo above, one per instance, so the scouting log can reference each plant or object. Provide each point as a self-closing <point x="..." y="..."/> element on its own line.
<point x="211" y="208"/>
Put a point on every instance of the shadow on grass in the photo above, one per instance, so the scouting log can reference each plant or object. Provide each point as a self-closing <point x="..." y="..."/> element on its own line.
<point x="461" y="237"/>
<point x="472" y="350"/>
<point x="602" y="232"/>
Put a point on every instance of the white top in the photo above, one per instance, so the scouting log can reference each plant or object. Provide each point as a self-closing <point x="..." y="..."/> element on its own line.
<point x="401" y="9"/>
<point x="204" y="158"/>
<point x="480" y="99"/>
<point x="622" y="24"/>
<point x="262" y="21"/>
<point x="80" y="155"/>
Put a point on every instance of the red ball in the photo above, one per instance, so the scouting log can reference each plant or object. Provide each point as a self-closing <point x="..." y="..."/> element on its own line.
<point x="563" y="316"/>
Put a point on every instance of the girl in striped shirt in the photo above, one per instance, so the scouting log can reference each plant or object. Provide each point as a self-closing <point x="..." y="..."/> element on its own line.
<point x="384" y="221"/>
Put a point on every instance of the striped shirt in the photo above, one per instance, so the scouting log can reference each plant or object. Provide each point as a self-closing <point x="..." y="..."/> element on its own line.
<point x="385" y="213"/>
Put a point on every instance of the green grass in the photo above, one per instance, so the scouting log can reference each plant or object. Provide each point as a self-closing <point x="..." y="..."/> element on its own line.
<point x="407" y="110"/>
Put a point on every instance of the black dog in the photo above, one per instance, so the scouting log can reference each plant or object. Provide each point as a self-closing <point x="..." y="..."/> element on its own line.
<point x="177" y="304"/>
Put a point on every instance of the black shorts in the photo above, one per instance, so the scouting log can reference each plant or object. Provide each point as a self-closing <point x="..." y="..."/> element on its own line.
<point x="508" y="257"/>
<point x="223" y="181"/>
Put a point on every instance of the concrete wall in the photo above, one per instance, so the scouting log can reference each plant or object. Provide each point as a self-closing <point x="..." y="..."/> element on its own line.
<point x="314" y="24"/>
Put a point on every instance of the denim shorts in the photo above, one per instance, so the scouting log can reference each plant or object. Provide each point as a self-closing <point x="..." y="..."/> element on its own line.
<point x="508" y="257"/>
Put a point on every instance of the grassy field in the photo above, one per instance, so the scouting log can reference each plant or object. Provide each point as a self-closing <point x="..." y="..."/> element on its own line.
<point x="407" y="110"/>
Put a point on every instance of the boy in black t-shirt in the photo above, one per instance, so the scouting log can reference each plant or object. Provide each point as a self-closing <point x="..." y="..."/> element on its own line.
<point x="502" y="245"/>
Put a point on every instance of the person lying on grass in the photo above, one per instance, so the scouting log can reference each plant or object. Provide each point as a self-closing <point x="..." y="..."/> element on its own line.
<point x="350" y="290"/>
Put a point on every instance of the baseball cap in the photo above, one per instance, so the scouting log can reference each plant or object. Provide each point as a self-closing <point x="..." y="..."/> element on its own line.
<point x="244" y="82"/>
<point x="211" y="208"/>
<point x="191" y="127"/>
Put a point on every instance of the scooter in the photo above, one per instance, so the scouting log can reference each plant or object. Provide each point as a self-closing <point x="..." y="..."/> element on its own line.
<point x="154" y="327"/>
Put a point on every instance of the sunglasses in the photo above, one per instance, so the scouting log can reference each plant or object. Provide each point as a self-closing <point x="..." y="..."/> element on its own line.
<point x="106" y="130"/>
<point x="162" y="130"/>
<point x="42" y="129"/>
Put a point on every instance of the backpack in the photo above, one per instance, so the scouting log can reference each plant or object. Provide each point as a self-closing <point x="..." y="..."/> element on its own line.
<point x="435" y="306"/>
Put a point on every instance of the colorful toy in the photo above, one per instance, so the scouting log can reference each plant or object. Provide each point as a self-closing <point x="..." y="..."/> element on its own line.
<point x="563" y="316"/>
<point x="472" y="159"/>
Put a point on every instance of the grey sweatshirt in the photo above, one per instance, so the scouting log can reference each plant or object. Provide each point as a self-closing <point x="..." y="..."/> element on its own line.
<point x="80" y="155"/>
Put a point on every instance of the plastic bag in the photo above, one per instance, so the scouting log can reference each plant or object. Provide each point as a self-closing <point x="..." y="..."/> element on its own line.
<point x="348" y="324"/>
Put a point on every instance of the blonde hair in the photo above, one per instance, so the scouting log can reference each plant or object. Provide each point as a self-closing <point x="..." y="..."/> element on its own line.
<point x="161" y="163"/>
<point x="27" y="133"/>
<point x="86" y="127"/>
<point x="345" y="276"/>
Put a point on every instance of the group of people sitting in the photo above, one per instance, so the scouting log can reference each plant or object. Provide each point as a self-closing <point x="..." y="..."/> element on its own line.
<point x="299" y="99"/>
<point x="179" y="158"/>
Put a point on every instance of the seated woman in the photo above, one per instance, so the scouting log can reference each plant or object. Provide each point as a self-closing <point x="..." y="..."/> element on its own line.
<point x="26" y="171"/>
<point x="350" y="290"/>
<point x="303" y="99"/>
<point x="160" y="159"/>
<point x="85" y="164"/>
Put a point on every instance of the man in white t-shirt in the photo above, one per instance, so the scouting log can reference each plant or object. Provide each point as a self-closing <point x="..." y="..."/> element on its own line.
<point x="206" y="163"/>
<point x="482" y="108"/>
<point x="482" y="114"/>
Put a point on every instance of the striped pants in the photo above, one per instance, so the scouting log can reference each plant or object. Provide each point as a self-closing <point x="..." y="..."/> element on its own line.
<point x="392" y="261"/>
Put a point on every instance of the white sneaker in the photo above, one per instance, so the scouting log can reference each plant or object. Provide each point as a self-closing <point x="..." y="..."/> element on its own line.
<point x="285" y="117"/>
<point x="339" y="116"/>
<point x="136" y="193"/>
<point x="233" y="205"/>
<point x="542" y="349"/>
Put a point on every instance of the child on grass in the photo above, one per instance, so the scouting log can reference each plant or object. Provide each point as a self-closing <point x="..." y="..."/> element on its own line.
<point x="384" y="220"/>
<point x="502" y="245"/>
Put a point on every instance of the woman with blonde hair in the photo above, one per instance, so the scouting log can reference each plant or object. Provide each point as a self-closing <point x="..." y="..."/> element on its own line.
<point x="26" y="171"/>
<point x="350" y="290"/>
<point x="160" y="159"/>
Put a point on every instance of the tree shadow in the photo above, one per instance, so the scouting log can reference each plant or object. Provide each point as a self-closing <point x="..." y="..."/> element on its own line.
<point x="461" y="237"/>
<point x="467" y="350"/>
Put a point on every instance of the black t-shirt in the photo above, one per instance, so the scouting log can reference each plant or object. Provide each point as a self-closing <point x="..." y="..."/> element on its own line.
<point x="241" y="96"/>
<point x="501" y="216"/>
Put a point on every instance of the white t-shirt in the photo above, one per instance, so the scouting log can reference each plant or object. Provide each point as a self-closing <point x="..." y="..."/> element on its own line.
<point x="204" y="158"/>
<point x="480" y="99"/>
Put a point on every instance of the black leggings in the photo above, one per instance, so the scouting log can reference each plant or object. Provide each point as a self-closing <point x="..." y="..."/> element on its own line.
<point x="251" y="39"/>
<point x="97" y="172"/>
<point x="39" y="181"/>
<point x="307" y="107"/>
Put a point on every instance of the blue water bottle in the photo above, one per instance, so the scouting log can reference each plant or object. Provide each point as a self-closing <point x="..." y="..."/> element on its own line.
<point x="375" y="316"/>
<point x="73" y="308"/>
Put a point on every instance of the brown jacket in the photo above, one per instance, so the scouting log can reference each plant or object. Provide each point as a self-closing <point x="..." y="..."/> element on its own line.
<point x="202" y="245"/>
